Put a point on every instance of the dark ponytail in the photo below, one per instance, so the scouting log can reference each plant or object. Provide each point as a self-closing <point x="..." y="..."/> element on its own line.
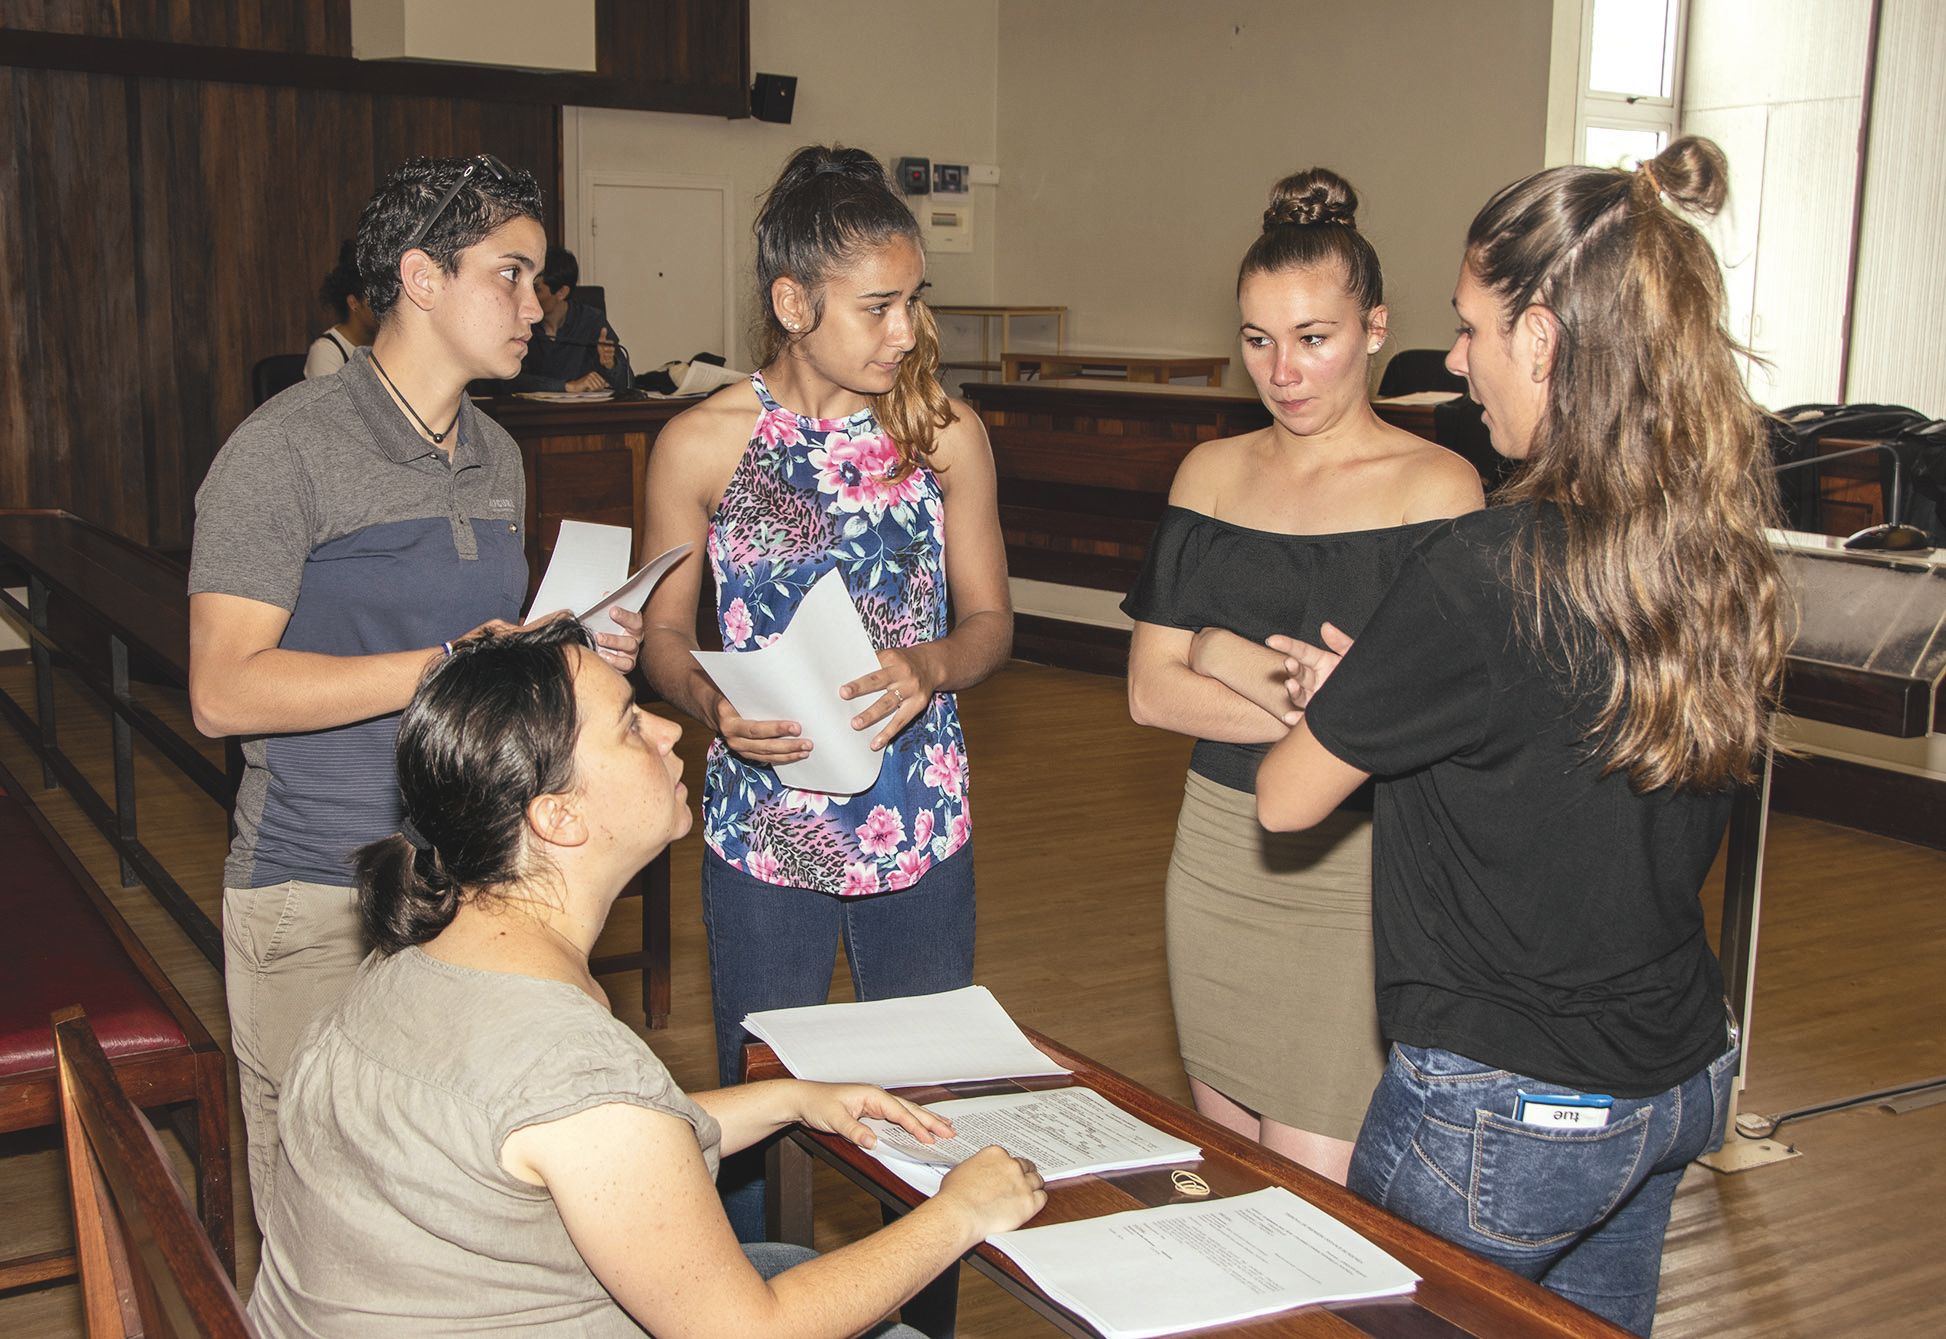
<point x="1312" y="220"/>
<point x="826" y="206"/>
<point x="492" y="727"/>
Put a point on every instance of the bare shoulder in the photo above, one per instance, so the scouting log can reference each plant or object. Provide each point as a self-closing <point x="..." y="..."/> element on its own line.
<point x="1207" y="471"/>
<point x="706" y="439"/>
<point x="726" y="415"/>
<point x="964" y="438"/>
<point x="1434" y="483"/>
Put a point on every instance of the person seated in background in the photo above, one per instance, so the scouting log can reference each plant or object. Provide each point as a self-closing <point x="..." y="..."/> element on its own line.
<point x="344" y="293"/>
<point x="472" y="1142"/>
<point x="573" y="348"/>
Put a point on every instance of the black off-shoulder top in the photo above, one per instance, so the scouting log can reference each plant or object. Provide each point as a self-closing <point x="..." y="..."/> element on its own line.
<point x="1205" y="573"/>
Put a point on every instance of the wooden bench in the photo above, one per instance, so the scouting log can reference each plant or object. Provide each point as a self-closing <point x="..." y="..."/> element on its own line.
<point x="146" y="1267"/>
<point x="66" y="945"/>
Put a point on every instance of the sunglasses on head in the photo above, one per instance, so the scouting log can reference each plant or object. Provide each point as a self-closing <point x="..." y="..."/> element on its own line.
<point x="498" y="170"/>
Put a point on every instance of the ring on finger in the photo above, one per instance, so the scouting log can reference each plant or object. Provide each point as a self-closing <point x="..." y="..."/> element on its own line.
<point x="897" y="696"/>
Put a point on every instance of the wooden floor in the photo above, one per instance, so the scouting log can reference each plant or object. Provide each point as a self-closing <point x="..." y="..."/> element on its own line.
<point x="1076" y="811"/>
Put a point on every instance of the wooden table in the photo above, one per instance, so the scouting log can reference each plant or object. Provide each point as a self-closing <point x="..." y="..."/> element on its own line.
<point x="1160" y="367"/>
<point x="1004" y="315"/>
<point x="1459" y="1293"/>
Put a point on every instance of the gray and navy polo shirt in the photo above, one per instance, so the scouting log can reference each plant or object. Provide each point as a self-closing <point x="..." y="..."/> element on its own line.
<point x="326" y="503"/>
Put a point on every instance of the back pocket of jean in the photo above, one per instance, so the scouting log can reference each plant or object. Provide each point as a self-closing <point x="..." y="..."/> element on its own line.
<point x="1537" y="1187"/>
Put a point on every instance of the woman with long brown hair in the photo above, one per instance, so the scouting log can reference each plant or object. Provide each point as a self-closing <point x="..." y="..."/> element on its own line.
<point x="842" y="454"/>
<point x="1559" y="694"/>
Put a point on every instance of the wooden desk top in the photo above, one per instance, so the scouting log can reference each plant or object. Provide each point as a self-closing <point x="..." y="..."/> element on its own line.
<point x="1459" y="1294"/>
<point x="526" y="419"/>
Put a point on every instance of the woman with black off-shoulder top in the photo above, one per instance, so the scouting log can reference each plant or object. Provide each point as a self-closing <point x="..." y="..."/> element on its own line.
<point x="1295" y="529"/>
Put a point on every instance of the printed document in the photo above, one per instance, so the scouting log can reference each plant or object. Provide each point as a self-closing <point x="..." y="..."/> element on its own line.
<point x="1185" y="1266"/>
<point x="953" y="1037"/>
<point x="1064" y="1131"/>
<point x="797" y="678"/>
<point x="588" y="574"/>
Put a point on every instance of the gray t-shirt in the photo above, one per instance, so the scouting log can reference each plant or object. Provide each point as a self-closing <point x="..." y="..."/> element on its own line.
<point x="390" y="1212"/>
<point x="327" y="504"/>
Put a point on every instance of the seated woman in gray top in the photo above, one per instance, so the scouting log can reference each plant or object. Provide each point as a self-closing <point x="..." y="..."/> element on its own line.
<point x="471" y="1142"/>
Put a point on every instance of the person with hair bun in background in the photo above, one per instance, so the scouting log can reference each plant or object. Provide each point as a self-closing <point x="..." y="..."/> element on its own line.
<point x="472" y="1142"/>
<point x="842" y="454"/>
<point x="1560" y="694"/>
<point x="1295" y="528"/>
<point x="344" y="293"/>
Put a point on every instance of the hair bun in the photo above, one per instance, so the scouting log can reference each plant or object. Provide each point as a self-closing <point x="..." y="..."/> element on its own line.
<point x="1692" y="172"/>
<point x="1318" y="195"/>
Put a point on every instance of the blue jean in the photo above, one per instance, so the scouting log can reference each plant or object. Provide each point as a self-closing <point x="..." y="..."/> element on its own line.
<point x="772" y="1258"/>
<point x="1582" y="1212"/>
<point x="774" y="948"/>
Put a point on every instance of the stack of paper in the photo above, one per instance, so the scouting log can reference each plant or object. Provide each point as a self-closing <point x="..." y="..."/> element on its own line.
<point x="1064" y="1131"/>
<point x="952" y="1037"/>
<point x="1185" y="1266"/>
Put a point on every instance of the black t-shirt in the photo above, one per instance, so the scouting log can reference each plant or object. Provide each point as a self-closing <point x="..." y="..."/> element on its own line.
<point x="1529" y="913"/>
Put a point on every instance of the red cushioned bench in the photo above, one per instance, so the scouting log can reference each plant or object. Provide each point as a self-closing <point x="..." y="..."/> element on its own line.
<point x="66" y="945"/>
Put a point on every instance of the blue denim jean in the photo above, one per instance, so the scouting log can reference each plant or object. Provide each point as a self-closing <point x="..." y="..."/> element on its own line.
<point x="774" y="948"/>
<point x="1582" y="1212"/>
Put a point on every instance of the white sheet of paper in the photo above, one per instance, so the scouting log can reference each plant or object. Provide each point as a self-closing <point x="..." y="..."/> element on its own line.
<point x="702" y="378"/>
<point x="797" y="678"/>
<point x="951" y="1037"/>
<point x="588" y="573"/>
<point x="1184" y="1266"/>
<point x="588" y="559"/>
<point x="633" y="593"/>
<point x="1066" y="1132"/>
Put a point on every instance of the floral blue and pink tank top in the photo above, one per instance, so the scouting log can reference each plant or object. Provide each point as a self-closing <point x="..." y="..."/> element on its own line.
<point x="810" y="495"/>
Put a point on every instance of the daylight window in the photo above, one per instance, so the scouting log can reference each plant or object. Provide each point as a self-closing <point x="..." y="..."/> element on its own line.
<point x="1631" y="59"/>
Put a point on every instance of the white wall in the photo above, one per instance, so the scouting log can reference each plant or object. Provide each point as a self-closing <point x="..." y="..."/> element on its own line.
<point x="1898" y="353"/>
<point x="1783" y="100"/>
<point x="1139" y="139"/>
<point x="915" y="78"/>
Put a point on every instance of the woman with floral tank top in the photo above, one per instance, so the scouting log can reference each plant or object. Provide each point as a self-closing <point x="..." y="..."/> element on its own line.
<point x="843" y="453"/>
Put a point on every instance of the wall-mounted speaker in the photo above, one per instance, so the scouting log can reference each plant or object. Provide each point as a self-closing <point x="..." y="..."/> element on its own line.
<point x="773" y="97"/>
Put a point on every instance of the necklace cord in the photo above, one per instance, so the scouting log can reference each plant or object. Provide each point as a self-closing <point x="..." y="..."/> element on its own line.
<point x="438" y="438"/>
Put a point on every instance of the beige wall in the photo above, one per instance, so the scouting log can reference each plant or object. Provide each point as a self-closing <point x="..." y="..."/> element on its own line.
<point x="1783" y="101"/>
<point x="1138" y="139"/>
<point x="1898" y="351"/>
<point x="916" y="77"/>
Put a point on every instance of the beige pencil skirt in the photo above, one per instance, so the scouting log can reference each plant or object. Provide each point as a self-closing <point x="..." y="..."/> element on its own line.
<point x="1270" y="960"/>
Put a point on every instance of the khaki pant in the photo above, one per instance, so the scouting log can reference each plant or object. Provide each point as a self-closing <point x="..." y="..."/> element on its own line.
<point x="289" y="953"/>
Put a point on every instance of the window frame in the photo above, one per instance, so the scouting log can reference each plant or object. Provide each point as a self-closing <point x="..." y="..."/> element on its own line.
<point x="1619" y="111"/>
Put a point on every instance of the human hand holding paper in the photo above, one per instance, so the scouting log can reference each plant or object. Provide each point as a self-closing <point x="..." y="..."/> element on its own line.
<point x="796" y="680"/>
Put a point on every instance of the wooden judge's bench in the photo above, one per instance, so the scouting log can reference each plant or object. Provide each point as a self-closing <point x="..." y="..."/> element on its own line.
<point x="583" y="462"/>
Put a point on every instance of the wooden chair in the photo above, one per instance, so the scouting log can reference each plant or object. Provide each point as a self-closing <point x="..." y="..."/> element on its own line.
<point x="147" y="1267"/>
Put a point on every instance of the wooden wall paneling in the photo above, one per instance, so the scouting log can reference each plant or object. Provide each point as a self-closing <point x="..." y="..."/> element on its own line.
<point x="675" y="41"/>
<point x="15" y="326"/>
<point x="311" y="27"/>
<point x="719" y="87"/>
<point x="77" y="299"/>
